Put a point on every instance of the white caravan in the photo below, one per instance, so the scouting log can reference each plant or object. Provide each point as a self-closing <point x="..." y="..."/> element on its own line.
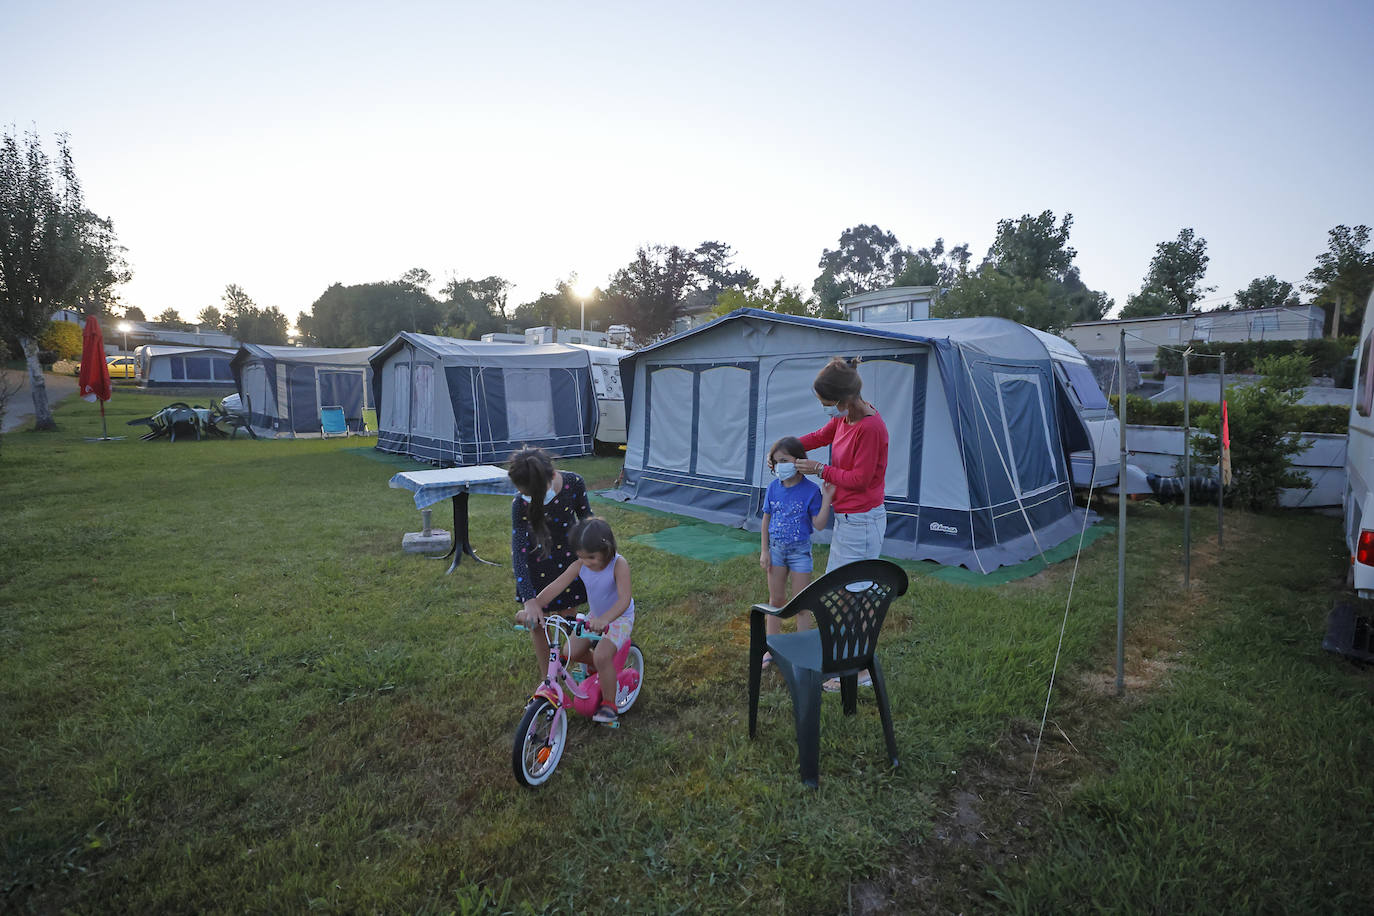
<point x="610" y="397"/>
<point x="1101" y="464"/>
<point x="1359" y="464"/>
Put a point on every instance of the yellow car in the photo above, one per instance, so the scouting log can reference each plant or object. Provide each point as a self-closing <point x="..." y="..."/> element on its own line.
<point x="119" y="366"/>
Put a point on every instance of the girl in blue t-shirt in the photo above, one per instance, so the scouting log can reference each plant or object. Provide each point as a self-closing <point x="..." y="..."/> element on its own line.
<point x="793" y="508"/>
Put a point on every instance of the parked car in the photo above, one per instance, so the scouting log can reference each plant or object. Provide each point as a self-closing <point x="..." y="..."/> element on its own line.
<point x="119" y="366"/>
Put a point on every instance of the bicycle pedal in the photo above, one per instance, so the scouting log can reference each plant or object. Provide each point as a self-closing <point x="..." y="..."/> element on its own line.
<point x="615" y="724"/>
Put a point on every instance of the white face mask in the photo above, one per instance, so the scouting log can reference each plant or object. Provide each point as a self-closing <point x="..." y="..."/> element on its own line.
<point x="549" y="494"/>
<point x="784" y="470"/>
<point x="833" y="410"/>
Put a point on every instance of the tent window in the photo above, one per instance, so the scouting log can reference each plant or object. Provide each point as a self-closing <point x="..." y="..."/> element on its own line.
<point x="400" y="397"/>
<point x="723" y="424"/>
<point x="670" y="419"/>
<point x="1084" y="385"/>
<point x="422" y="398"/>
<point x="1027" y="431"/>
<point x="222" y="371"/>
<point x="255" y="388"/>
<point x="198" y="368"/>
<point x="529" y="403"/>
<point x="891" y="386"/>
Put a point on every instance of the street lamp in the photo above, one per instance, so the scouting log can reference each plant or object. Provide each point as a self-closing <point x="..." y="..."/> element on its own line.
<point x="125" y="327"/>
<point x="584" y="290"/>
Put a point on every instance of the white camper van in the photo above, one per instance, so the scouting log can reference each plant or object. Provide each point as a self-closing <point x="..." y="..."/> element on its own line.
<point x="1359" y="464"/>
<point x="610" y="397"/>
<point x="1101" y="464"/>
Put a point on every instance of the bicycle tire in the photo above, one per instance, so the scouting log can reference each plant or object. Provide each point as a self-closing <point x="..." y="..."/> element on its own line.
<point x="540" y="740"/>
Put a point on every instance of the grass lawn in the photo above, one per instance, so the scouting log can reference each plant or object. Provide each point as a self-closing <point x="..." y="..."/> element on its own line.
<point x="226" y="689"/>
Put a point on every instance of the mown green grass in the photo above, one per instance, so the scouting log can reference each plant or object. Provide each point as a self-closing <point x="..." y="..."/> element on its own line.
<point x="225" y="688"/>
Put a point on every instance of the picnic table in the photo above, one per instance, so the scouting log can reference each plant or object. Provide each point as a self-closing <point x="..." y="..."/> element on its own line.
<point x="455" y="484"/>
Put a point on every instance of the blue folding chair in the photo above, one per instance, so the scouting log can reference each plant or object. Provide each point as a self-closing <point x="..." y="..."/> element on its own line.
<point x="332" y="422"/>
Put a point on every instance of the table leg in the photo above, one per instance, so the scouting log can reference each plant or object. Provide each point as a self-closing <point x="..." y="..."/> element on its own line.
<point x="461" y="544"/>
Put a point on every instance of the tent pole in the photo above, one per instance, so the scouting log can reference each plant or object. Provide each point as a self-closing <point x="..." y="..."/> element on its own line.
<point x="1221" y="487"/>
<point x="1121" y="528"/>
<point x="1187" y="482"/>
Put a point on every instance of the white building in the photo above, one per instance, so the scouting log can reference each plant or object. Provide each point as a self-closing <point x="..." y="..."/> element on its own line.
<point x="899" y="303"/>
<point x="1144" y="336"/>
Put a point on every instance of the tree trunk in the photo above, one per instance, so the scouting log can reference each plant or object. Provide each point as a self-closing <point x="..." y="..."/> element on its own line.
<point x="42" y="412"/>
<point x="1336" y="318"/>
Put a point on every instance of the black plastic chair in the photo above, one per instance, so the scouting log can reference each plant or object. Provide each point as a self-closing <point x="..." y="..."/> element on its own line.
<point x="849" y="605"/>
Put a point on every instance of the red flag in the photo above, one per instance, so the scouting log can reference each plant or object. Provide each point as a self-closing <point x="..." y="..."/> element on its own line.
<point x="94" y="381"/>
<point x="1225" y="447"/>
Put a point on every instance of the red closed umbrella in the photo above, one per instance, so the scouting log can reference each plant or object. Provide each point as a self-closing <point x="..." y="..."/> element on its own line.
<point x="94" y="380"/>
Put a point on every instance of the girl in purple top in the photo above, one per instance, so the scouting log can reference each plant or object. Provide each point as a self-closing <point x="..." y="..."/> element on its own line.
<point x="606" y="576"/>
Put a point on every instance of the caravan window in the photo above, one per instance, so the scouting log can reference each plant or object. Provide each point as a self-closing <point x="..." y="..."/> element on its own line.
<point x="422" y="398"/>
<point x="529" y="403"/>
<point x="1084" y="385"/>
<point x="1364" y="393"/>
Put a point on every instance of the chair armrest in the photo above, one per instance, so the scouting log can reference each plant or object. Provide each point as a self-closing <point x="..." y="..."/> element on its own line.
<point x="770" y="609"/>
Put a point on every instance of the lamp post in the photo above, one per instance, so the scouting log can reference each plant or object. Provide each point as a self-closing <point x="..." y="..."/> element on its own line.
<point x="125" y="327"/>
<point x="584" y="291"/>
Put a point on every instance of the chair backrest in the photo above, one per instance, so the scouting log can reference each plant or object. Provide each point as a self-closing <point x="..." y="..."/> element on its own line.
<point x="850" y="604"/>
<point x="332" y="422"/>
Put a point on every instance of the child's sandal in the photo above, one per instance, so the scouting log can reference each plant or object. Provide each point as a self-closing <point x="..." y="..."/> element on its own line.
<point x="606" y="715"/>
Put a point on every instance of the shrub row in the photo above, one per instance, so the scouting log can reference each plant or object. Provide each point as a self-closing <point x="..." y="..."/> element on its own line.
<point x="1313" y="418"/>
<point x="1331" y="357"/>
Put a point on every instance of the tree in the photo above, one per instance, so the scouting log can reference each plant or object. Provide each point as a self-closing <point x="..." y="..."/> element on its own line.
<point x="171" y="320"/>
<point x="247" y="323"/>
<point x="210" y="317"/>
<point x="1263" y="293"/>
<point x="556" y="309"/>
<point x="715" y="274"/>
<point x="368" y="314"/>
<point x="1174" y="280"/>
<point x="650" y="291"/>
<point x="785" y="300"/>
<point x="54" y="253"/>
<point x="1343" y="277"/>
<point x="476" y="307"/>
<point x="934" y="266"/>
<point x="1028" y="276"/>
<point x="1261" y="424"/>
<point x="62" y="338"/>
<point x="868" y="258"/>
<point x="134" y="313"/>
<point x="419" y="278"/>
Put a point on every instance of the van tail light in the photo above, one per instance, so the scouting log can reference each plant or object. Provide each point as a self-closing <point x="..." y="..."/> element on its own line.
<point x="1364" y="550"/>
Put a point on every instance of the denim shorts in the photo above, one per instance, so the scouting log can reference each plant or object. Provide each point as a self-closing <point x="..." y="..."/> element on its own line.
<point x="857" y="536"/>
<point x="795" y="556"/>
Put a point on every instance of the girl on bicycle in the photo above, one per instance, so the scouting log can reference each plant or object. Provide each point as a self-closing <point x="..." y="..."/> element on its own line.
<point x="541" y="518"/>
<point x="606" y="576"/>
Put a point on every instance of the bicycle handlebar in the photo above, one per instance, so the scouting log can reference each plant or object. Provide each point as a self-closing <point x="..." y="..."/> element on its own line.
<point x="575" y="627"/>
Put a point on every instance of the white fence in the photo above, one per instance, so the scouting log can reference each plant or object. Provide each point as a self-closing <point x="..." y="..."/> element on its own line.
<point x="1159" y="450"/>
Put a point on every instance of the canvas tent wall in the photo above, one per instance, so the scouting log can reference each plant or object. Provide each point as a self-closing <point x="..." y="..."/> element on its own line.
<point x="463" y="402"/>
<point x="977" y="471"/>
<point x="283" y="388"/>
<point x="184" y="367"/>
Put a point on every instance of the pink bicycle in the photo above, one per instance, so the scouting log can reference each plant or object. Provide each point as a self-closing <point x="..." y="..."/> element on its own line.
<point x="543" y="733"/>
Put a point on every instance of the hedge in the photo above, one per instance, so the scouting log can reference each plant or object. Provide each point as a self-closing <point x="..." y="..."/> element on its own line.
<point x="1331" y="357"/>
<point x="1307" y="418"/>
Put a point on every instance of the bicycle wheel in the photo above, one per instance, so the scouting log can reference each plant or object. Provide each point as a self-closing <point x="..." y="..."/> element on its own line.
<point x="539" y="742"/>
<point x="631" y="680"/>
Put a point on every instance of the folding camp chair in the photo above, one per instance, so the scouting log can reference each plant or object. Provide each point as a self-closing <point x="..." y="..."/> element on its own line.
<point x="332" y="422"/>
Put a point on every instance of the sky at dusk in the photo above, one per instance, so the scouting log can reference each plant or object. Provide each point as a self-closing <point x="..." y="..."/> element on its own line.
<point x="287" y="146"/>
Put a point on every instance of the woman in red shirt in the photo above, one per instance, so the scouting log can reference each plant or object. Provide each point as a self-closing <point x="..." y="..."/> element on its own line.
<point x="857" y="437"/>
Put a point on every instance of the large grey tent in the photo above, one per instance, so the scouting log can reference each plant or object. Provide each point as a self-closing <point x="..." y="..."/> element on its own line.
<point x="183" y="367"/>
<point x="283" y="388"/>
<point x="978" y="431"/>
<point x="463" y="402"/>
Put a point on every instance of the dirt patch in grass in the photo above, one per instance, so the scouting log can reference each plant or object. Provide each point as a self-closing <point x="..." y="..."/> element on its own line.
<point x="996" y="812"/>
